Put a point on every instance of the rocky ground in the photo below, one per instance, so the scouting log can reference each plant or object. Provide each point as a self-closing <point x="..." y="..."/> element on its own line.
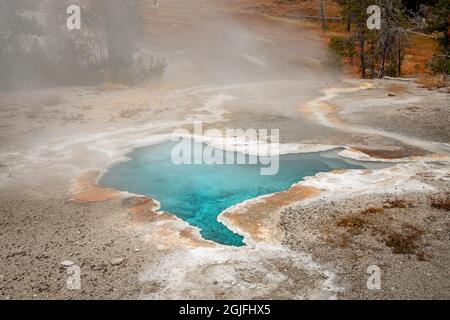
<point x="399" y="106"/>
<point x="403" y="235"/>
<point x="38" y="234"/>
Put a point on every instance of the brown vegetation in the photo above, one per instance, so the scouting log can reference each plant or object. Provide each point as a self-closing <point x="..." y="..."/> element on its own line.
<point x="396" y="203"/>
<point x="441" y="202"/>
<point x="405" y="241"/>
<point x="398" y="153"/>
<point x="402" y="239"/>
<point x="416" y="55"/>
<point x="353" y="224"/>
<point x="432" y="81"/>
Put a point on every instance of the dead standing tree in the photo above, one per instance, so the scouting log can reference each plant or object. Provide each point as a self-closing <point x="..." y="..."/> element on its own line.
<point x="355" y="11"/>
<point x="323" y="14"/>
<point x="117" y="18"/>
<point x="401" y="43"/>
<point x="392" y="39"/>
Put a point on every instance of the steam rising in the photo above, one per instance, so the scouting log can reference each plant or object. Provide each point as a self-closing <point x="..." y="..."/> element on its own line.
<point x="200" y="42"/>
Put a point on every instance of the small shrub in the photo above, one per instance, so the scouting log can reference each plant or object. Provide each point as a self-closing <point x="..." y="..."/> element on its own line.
<point x="439" y="64"/>
<point x="441" y="202"/>
<point x="353" y="224"/>
<point x="340" y="47"/>
<point x="421" y="255"/>
<point x="397" y="203"/>
<point x="401" y="244"/>
<point x="432" y="81"/>
<point x="344" y="240"/>
<point x="147" y="68"/>
<point x="404" y="242"/>
<point x="143" y="69"/>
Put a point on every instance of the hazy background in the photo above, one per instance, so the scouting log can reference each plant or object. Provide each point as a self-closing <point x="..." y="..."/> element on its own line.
<point x="133" y="42"/>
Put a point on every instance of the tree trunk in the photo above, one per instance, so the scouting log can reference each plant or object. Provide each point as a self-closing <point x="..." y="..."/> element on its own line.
<point x="372" y="59"/>
<point x="383" y="62"/>
<point x="322" y="14"/>
<point x="362" y="54"/>
<point x="118" y="34"/>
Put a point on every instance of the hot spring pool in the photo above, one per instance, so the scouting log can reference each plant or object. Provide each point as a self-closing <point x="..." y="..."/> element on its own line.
<point x="199" y="193"/>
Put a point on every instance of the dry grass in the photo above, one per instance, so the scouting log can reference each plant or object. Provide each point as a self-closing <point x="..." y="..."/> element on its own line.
<point x="422" y="255"/>
<point x="396" y="203"/>
<point x="353" y="224"/>
<point x="417" y="55"/>
<point x="405" y="241"/>
<point x="432" y="82"/>
<point x="343" y="240"/>
<point x="377" y="222"/>
<point x="441" y="202"/>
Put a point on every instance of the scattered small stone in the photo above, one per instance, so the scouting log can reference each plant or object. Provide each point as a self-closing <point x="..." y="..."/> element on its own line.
<point x="117" y="261"/>
<point x="67" y="263"/>
<point x="18" y="252"/>
<point x="390" y="94"/>
<point x="43" y="255"/>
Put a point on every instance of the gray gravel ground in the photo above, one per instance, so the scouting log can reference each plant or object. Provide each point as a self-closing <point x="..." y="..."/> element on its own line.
<point x="423" y="273"/>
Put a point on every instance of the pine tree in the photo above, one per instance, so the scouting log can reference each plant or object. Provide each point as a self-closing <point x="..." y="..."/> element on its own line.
<point x="383" y="48"/>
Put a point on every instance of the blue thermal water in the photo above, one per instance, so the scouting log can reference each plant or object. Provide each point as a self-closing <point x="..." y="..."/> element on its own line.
<point x="199" y="193"/>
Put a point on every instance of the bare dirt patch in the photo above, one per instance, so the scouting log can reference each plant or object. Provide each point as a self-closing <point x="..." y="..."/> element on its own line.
<point x="86" y="189"/>
<point x="393" y="153"/>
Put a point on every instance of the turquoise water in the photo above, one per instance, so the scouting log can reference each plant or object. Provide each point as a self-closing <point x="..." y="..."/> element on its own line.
<point x="199" y="193"/>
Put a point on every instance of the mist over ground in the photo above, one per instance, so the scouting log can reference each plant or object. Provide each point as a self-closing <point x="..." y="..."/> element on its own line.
<point x="134" y="42"/>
